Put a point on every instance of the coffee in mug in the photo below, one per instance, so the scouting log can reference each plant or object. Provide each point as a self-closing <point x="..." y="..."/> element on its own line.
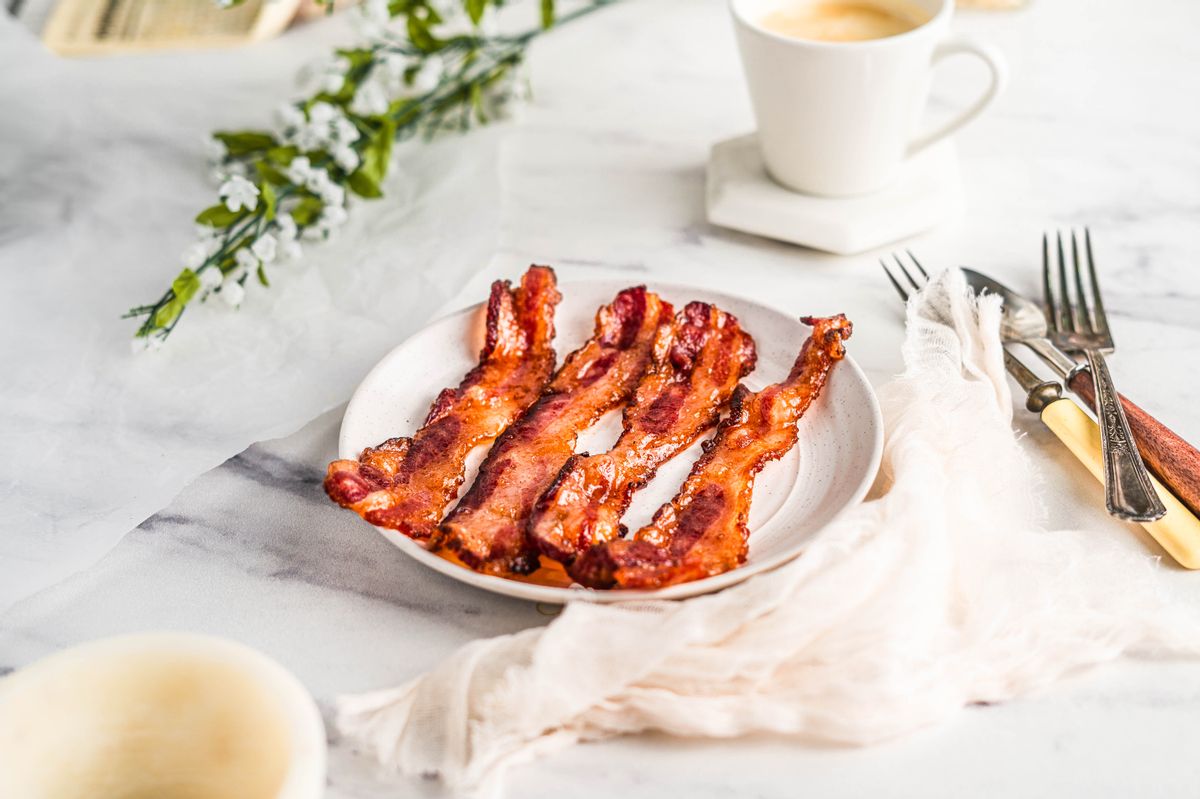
<point x="839" y="87"/>
<point x="834" y="21"/>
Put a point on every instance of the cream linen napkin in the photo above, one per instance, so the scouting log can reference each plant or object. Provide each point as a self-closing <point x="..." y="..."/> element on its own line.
<point x="942" y="592"/>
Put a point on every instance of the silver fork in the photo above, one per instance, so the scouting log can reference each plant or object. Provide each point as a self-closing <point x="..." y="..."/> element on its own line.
<point x="1082" y="328"/>
<point x="1039" y="395"/>
<point x="900" y="264"/>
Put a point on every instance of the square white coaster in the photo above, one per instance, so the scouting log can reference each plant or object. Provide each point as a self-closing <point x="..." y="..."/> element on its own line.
<point x="742" y="196"/>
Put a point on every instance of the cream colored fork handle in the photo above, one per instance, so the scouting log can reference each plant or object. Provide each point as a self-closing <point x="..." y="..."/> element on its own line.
<point x="1178" y="531"/>
<point x="1128" y="493"/>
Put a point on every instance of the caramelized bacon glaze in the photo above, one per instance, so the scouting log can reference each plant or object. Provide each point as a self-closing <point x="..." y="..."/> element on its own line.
<point x="698" y="360"/>
<point x="487" y="529"/>
<point x="406" y="483"/>
<point x="702" y="531"/>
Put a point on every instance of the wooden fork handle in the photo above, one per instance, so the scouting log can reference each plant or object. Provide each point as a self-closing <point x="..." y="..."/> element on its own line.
<point x="1172" y="460"/>
<point x="1178" y="531"/>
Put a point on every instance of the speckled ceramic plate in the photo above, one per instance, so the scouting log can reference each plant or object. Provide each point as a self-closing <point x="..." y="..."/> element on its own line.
<point x="830" y="469"/>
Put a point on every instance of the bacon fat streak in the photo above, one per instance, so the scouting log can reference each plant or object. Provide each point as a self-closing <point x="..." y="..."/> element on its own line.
<point x="703" y="530"/>
<point x="487" y="529"/>
<point x="406" y="483"/>
<point x="698" y="360"/>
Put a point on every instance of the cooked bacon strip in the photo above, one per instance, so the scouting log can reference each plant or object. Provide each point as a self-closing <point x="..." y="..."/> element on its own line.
<point x="702" y="531"/>
<point x="487" y="528"/>
<point x="406" y="483"/>
<point x="698" y="361"/>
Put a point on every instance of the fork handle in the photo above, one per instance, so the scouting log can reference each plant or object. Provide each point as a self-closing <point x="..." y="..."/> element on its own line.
<point x="1172" y="460"/>
<point x="1128" y="492"/>
<point x="1178" y="532"/>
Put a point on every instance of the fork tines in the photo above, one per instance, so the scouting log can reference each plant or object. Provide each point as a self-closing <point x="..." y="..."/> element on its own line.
<point x="911" y="280"/>
<point x="1083" y="313"/>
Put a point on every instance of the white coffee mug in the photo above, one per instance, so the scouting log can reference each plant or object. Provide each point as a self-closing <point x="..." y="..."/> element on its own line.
<point x="838" y="118"/>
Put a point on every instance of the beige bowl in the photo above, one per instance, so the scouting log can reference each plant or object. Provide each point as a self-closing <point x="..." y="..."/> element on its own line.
<point x="159" y="716"/>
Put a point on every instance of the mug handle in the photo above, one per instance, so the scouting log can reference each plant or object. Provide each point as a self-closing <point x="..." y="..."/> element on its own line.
<point x="956" y="45"/>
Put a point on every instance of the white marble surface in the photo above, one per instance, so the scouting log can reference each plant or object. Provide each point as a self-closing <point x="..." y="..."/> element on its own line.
<point x="604" y="176"/>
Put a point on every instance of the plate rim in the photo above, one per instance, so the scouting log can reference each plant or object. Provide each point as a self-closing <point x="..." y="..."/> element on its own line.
<point x="561" y="596"/>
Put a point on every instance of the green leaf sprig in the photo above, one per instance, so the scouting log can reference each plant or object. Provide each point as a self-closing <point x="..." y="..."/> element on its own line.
<point x="427" y="66"/>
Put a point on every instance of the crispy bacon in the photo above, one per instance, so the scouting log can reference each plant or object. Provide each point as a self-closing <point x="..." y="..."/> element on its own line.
<point x="702" y="531"/>
<point x="406" y="483"/>
<point x="698" y="360"/>
<point x="486" y="530"/>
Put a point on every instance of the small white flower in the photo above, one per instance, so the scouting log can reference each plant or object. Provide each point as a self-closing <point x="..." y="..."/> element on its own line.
<point x="246" y="261"/>
<point x="299" y="170"/>
<point x="332" y="83"/>
<point x="208" y="241"/>
<point x="317" y="180"/>
<point x="332" y="194"/>
<point x="370" y="19"/>
<point x="285" y="226"/>
<point x="239" y="193"/>
<point x="333" y="216"/>
<point x="214" y="241"/>
<point x="324" y="75"/>
<point x="289" y="117"/>
<point x="322" y="113"/>
<point x="370" y="100"/>
<point x="228" y="169"/>
<point x="290" y="249"/>
<point x="429" y="75"/>
<point x="394" y="64"/>
<point x="345" y="131"/>
<point x="225" y="3"/>
<point x="210" y="278"/>
<point x="320" y="184"/>
<point x="232" y="293"/>
<point x="195" y="255"/>
<point x="309" y="137"/>
<point x="454" y="21"/>
<point x="346" y="158"/>
<point x="264" y="248"/>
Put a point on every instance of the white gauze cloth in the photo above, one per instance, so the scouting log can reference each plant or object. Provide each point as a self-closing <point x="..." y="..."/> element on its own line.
<point x="942" y="592"/>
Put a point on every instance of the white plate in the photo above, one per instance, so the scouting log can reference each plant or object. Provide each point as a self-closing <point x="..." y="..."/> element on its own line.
<point x="830" y="469"/>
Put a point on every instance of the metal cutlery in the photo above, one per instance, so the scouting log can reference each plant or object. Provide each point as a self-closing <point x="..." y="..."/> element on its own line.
<point x="1175" y="462"/>
<point x="1023" y="322"/>
<point x="1078" y="326"/>
<point x="1178" y="532"/>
